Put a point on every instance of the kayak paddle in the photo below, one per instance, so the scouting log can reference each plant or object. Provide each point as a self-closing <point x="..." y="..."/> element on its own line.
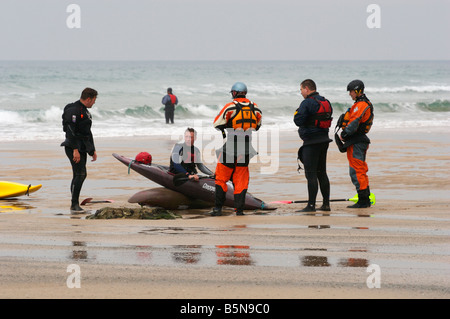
<point x="353" y="199"/>
<point x="181" y="178"/>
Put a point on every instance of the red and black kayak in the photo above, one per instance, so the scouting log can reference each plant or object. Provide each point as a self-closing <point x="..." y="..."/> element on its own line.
<point x="202" y="190"/>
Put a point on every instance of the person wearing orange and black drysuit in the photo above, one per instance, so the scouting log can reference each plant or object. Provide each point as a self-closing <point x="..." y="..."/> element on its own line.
<point x="239" y="118"/>
<point x="357" y="122"/>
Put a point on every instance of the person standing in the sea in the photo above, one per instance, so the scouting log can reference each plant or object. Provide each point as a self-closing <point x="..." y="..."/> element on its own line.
<point x="79" y="142"/>
<point x="169" y="100"/>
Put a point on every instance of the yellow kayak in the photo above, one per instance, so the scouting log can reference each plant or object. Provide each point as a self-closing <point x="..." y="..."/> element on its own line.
<point x="11" y="189"/>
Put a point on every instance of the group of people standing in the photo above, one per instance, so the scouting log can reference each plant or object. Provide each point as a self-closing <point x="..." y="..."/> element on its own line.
<point x="237" y="121"/>
<point x="314" y="117"/>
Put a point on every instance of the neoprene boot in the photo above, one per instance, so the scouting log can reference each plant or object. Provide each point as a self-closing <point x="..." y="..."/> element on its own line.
<point x="75" y="207"/>
<point x="217" y="211"/>
<point x="219" y="200"/>
<point x="325" y="206"/>
<point x="239" y="203"/>
<point x="363" y="199"/>
<point x="308" y="209"/>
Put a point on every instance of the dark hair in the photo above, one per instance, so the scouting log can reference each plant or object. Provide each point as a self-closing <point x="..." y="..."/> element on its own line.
<point x="310" y="84"/>
<point x="191" y="130"/>
<point x="169" y="90"/>
<point x="88" y="93"/>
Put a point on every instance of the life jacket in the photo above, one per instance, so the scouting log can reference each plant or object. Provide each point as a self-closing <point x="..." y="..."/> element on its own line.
<point x="367" y="125"/>
<point x="322" y="119"/>
<point x="245" y="117"/>
<point x="173" y="99"/>
<point x="364" y="127"/>
<point x="188" y="159"/>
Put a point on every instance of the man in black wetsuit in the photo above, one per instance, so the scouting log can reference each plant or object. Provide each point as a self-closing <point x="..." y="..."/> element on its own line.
<point x="77" y="122"/>
<point x="169" y="101"/>
<point x="313" y="117"/>
<point x="186" y="158"/>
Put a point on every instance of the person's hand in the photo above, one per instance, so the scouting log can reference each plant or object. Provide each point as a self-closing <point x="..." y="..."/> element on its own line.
<point x="94" y="157"/>
<point x="76" y="156"/>
<point x="194" y="177"/>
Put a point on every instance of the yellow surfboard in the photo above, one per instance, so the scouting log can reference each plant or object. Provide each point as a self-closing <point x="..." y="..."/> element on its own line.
<point x="11" y="189"/>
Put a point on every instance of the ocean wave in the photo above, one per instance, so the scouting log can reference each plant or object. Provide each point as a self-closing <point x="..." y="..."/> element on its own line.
<point x="150" y="113"/>
<point x="384" y="107"/>
<point x="408" y="89"/>
<point x="201" y="111"/>
<point x="436" y="106"/>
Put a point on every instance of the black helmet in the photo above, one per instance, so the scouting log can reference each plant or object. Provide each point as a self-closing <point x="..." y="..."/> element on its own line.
<point x="356" y="85"/>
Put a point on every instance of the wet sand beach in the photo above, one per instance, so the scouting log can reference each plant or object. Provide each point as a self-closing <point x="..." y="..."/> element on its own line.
<point x="402" y="244"/>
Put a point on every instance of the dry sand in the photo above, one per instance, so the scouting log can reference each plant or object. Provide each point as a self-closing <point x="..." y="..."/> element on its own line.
<point x="269" y="255"/>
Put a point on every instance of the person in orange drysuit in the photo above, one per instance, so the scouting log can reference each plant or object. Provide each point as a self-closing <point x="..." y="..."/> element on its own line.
<point x="239" y="118"/>
<point x="357" y="123"/>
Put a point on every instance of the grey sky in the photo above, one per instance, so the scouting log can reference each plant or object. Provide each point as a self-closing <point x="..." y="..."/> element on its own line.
<point x="225" y="30"/>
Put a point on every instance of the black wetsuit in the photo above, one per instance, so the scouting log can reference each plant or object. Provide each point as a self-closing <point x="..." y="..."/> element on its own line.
<point x="313" y="153"/>
<point x="77" y="122"/>
<point x="169" y="101"/>
<point x="186" y="159"/>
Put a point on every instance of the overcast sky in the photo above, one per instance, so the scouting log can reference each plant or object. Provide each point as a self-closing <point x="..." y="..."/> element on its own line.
<point x="225" y="30"/>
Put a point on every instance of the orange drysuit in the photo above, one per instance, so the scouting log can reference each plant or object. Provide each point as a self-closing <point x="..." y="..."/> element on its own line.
<point x="238" y="118"/>
<point x="357" y="142"/>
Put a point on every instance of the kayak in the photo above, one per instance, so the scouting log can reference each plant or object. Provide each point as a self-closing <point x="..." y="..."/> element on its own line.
<point x="167" y="198"/>
<point x="202" y="190"/>
<point x="11" y="189"/>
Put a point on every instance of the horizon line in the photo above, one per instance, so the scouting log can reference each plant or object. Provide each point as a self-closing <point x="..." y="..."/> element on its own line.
<point x="224" y="60"/>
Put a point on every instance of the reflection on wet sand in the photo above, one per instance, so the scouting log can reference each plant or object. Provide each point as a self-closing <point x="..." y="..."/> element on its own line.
<point x="314" y="261"/>
<point x="79" y="253"/>
<point x="187" y="256"/>
<point x="12" y="206"/>
<point x="237" y="255"/>
<point x="353" y="262"/>
<point x="233" y="255"/>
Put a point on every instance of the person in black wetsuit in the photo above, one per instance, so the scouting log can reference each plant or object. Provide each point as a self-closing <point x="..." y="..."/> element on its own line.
<point x="79" y="142"/>
<point x="169" y="101"/>
<point x="313" y="117"/>
<point x="186" y="158"/>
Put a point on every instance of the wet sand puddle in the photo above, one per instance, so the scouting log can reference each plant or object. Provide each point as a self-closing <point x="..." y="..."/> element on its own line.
<point x="321" y="254"/>
<point x="239" y="255"/>
<point x="433" y="232"/>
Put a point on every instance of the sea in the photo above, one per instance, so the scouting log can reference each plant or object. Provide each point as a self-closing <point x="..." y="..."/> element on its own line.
<point x="407" y="95"/>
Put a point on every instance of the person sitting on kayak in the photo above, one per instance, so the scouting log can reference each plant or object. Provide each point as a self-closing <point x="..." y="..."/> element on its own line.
<point x="186" y="158"/>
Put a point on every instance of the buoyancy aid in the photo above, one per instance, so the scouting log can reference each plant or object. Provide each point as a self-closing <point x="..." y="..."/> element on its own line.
<point x="184" y="156"/>
<point x="173" y="99"/>
<point x="245" y="117"/>
<point x="364" y="127"/>
<point x="323" y="118"/>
